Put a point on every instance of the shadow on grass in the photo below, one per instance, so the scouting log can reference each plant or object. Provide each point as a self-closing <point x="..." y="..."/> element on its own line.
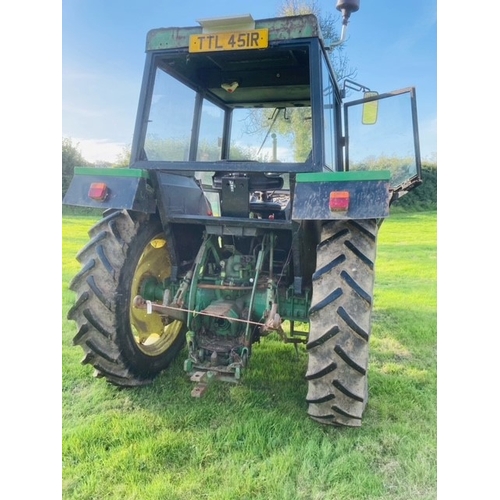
<point x="402" y="383"/>
<point x="273" y="386"/>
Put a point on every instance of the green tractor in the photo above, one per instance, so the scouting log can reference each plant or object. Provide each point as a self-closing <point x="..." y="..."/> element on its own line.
<point x="251" y="205"/>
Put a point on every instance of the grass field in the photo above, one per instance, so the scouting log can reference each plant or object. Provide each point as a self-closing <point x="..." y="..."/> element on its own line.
<point x="255" y="441"/>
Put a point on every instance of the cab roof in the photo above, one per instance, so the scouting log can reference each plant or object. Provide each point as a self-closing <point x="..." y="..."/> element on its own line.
<point x="280" y="28"/>
<point x="278" y="75"/>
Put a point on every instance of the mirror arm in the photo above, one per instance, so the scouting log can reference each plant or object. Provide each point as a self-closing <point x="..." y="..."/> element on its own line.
<point x="349" y="84"/>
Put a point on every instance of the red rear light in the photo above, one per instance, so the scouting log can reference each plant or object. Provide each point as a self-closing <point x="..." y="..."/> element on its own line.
<point x="209" y="208"/>
<point x="339" y="201"/>
<point x="98" y="191"/>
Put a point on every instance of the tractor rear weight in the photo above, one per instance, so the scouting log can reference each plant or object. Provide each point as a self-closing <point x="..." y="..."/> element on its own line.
<point x="251" y="207"/>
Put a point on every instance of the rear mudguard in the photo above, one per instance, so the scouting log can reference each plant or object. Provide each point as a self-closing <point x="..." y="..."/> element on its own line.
<point x="342" y="195"/>
<point x="136" y="189"/>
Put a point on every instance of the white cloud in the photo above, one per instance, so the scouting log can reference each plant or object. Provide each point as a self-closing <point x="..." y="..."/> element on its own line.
<point x="95" y="150"/>
<point x="82" y="112"/>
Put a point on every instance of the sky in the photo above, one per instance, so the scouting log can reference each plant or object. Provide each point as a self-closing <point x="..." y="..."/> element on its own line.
<point x="391" y="44"/>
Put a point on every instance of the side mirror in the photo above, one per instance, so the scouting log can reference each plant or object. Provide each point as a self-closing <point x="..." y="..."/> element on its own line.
<point x="370" y="109"/>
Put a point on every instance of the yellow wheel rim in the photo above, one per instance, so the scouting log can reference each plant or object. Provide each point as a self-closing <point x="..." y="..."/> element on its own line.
<point x="153" y="337"/>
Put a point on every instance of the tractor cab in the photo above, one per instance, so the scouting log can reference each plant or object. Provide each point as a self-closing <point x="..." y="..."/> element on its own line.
<point x="255" y="102"/>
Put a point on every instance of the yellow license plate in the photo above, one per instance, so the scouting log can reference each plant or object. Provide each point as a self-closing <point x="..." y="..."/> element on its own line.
<point x="239" y="40"/>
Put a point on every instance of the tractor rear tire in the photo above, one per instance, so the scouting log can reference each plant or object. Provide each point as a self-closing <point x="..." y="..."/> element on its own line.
<point x="340" y="317"/>
<point x="124" y="344"/>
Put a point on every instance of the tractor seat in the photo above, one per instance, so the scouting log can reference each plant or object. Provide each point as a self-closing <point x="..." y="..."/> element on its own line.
<point x="256" y="182"/>
<point x="266" y="209"/>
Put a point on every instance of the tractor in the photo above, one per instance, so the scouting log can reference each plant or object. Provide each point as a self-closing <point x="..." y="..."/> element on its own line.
<point x="251" y="206"/>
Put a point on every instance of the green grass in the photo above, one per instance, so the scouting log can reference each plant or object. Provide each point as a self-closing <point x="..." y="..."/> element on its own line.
<point x="255" y="441"/>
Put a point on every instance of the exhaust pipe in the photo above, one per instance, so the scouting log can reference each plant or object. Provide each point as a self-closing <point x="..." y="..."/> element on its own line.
<point x="346" y="7"/>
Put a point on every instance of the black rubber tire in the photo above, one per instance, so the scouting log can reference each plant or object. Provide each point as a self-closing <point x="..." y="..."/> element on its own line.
<point x="340" y="317"/>
<point x="104" y="290"/>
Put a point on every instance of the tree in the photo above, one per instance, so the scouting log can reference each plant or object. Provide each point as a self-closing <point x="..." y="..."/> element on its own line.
<point x="291" y="123"/>
<point x="328" y="25"/>
<point x="71" y="158"/>
<point x="123" y="159"/>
